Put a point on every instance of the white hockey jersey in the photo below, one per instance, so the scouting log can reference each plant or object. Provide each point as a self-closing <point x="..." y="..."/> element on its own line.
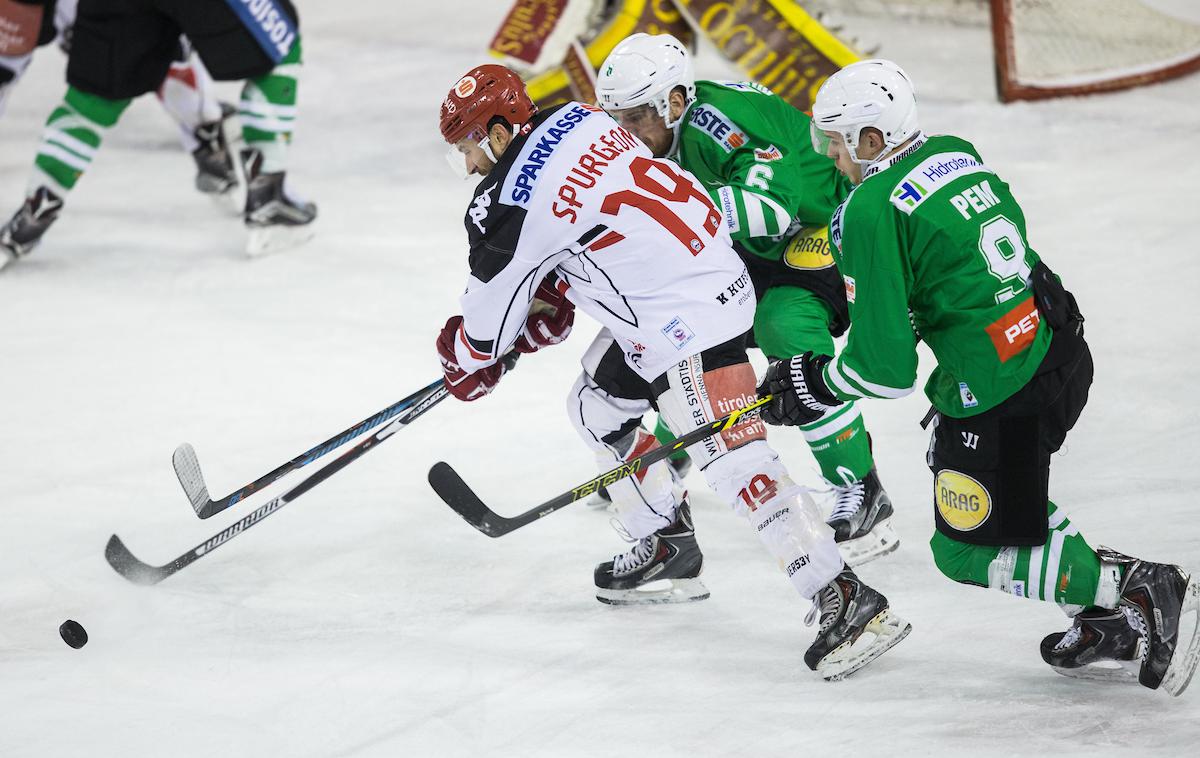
<point x="637" y="240"/>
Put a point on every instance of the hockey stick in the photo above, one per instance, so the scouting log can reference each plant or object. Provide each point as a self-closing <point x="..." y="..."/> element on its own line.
<point x="187" y="465"/>
<point x="454" y="491"/>
<point x="138" y="572"/>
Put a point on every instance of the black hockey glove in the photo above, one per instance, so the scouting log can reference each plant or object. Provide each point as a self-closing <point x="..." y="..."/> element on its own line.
<point x="800" y="394"/>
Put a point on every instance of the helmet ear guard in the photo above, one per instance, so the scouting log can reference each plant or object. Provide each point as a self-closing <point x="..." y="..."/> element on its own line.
<point x="872" y="93"/>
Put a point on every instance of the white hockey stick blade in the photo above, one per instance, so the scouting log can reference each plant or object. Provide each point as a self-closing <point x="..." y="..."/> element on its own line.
<point x="1187" y="637"/>
<point x="881" y="634"/>
<point x="187" y="468"/>
<point x="874" y="544"/>
<point x="677" y="591"/>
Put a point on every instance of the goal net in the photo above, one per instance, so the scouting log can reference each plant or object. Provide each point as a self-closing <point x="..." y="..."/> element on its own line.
<point x="1049" y="48"/>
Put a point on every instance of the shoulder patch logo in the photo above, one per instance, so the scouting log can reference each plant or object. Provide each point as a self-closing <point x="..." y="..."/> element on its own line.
<point x="930" y="175"/>
<point x="772" y="153"/>
<point x="479" y="209"/>
<point x="716" y="125"/>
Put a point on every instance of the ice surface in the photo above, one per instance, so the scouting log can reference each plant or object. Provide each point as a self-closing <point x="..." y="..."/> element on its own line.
<point x="367" y="619"/>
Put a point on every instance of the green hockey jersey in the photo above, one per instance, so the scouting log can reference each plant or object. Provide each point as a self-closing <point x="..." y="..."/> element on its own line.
<point x="752" y="151"/>
<point x="932" y="246"/>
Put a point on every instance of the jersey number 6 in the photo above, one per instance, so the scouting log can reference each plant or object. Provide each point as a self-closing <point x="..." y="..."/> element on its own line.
<point x="681" y="191"/>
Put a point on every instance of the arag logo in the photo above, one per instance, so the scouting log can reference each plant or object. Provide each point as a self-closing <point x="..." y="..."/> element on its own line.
<point x="809" y="249"/>
<point x="963" y="502"/>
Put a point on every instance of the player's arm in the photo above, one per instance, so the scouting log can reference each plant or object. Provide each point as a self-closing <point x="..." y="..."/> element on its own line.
<point x="880" y="357"/>
<point x="754" y="201"/>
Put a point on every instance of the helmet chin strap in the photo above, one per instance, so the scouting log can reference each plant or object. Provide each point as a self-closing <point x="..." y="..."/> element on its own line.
<point x="486" y="145"/>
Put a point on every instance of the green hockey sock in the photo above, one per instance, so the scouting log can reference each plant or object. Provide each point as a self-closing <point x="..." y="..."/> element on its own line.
<point x="1065" y="570"/>
<point x="268" y="110"/>
<point x="839" y="444"/>
<point x="73" y="134"/>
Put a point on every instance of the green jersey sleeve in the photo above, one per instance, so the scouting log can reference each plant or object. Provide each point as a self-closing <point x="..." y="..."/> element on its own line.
<point x="752" y="151"/>
<point x="880" y="357"/>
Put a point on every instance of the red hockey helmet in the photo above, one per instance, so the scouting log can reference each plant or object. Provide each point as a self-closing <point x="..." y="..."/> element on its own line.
<point x="481" y="94"/>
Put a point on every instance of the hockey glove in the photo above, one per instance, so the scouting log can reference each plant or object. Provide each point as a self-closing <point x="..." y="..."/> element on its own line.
<point x="466" y="386"/>
<point x="550" y="318"/>
<point x="800" y="394"/>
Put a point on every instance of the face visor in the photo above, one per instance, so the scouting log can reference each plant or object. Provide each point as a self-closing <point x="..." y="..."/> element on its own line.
<point x="820" y="140"/>
<point x="637" y="117"/>
<point x="464" y="154"/>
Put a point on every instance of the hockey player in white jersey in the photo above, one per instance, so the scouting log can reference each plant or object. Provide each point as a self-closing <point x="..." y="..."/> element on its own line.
<point x="574" y="210"/>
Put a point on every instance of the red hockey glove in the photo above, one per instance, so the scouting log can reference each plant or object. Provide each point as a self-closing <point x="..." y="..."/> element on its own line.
<point x="550" y="319"/>
<point x="463" y="385"/>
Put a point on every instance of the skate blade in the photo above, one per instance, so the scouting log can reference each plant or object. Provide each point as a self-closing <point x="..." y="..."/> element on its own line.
<point x="886" y="630"/>
<point x="1187" y="649"/>
<point x="874" y="544"/>
<point x="675" y="591"/>
<point x="1120" y="672"/>
<point x="265" y="240"/>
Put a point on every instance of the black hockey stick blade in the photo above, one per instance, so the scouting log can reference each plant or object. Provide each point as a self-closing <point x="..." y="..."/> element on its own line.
<point x="187" y="465"/>
<point x="451" y="488"/>
<point x="457" y="494"/>
<point x="139" y="572"/>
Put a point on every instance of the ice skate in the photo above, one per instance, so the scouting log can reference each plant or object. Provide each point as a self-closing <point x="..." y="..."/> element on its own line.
<point x="861" y="521"/>
<point x="24" y="230"/>
<point x="1165" y="604"/>
<point x="217" y="174"/>
<point x="1102" y="644"/>
<point x="857" y="626"/>
<point x="275" y="220"/>
<point x="661" y="568"/>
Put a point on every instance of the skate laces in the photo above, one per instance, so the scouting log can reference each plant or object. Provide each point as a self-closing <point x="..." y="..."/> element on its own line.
<point x="849" y="500"/>
<point x="1071" y="637"/>
<point x="1138" y="622"/>
<point x="641" y="554"/>
<point x="826" y="604"/>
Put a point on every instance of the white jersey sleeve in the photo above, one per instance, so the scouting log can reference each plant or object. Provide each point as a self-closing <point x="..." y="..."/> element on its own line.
<point x="637" y="240"/>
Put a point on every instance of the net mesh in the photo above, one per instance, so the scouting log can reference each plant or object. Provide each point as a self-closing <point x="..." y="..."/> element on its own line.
<point x="1057" y="42"/>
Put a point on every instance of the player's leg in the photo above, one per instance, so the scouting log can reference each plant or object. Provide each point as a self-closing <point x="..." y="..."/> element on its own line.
<point x="119" y="50"/>
<point x="606" y="406"/>
<point x="789" y="321"/>
<point x="188" y="96"/>
<point x="24" y="26"/>
<point x="264" y="49"/>
<point x="997" y="528"/>
<point x="746" y="472"/>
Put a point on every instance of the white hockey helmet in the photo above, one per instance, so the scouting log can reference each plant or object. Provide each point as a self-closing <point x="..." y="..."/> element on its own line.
<point x="643" y="69"/>
<point x="872" y="93"/>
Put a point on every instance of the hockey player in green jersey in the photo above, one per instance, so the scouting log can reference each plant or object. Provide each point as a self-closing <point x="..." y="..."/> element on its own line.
<point x="751" y="150"/>
<point x="932" y="247"/>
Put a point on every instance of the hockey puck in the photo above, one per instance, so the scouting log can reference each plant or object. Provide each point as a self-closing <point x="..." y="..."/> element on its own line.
<point x="73" y="633"/>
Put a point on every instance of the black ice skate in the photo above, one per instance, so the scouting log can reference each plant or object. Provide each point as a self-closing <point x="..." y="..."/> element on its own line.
<point x="1101" y="644"/>
<point x="24" y="230"/>
<point x="1167" y="602"/>
<point x="861" y="521"/>
<point x="275" y="220"/>
<point x="669" y="555"/>
<point x="848" y="608"/>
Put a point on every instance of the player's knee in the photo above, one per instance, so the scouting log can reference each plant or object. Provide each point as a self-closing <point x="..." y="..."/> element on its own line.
<point x="953" y="558"/>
